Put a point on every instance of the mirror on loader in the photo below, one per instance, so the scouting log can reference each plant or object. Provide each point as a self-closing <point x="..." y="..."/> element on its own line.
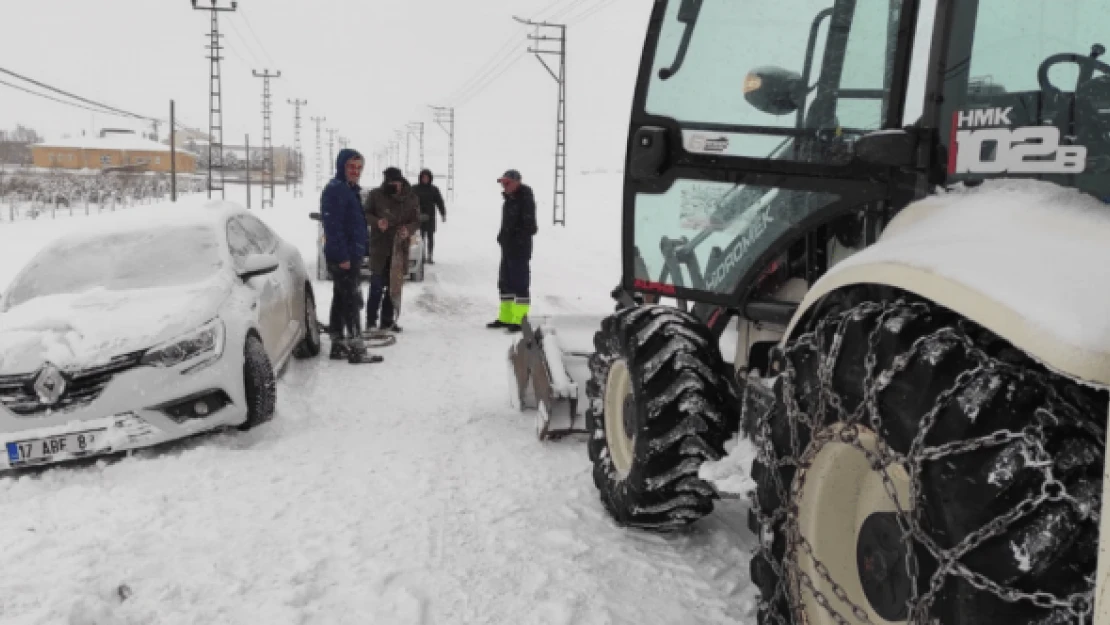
<point x="774" y="90"/>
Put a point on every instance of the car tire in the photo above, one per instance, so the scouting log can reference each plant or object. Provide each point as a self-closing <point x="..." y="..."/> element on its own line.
<point x="661" y="404"/>
<point x="949" y="411"/>
<point x="259" y="384"/>
<point x="309" y="347"/>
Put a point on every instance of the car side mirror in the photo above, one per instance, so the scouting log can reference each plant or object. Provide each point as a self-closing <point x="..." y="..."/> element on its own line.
<point x="258" y="265"/>
<point x="314" y="216"/>
<point x="895" y="148"/>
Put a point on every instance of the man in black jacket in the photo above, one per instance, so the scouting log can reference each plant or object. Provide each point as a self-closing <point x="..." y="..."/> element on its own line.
<point x="518" y="226"/>
<point x="430" y="200"/>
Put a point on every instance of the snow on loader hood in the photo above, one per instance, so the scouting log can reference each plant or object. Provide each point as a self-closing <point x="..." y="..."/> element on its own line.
<point x="1014" y="241"/>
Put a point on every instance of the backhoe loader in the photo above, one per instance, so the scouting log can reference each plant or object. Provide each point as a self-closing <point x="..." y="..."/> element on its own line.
<point x="901" y="207"/>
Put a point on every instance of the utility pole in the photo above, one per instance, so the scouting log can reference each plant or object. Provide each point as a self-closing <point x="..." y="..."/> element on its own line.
<point x="298" y="167"/>
<point x="247" y="144"/>
<point x="215" y="98"/>
<point x="318" y="120"/>
<point x="331" y="144"/>
<point x="267" y="138"/>
<point x="447" y="116"/>
<point x="559" y="42"/>
<point x="173" y="152"/>
<point x="418" y="127"/>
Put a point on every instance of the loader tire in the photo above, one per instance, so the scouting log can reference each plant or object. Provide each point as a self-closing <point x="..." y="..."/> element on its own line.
<point x="661" y="404"/>
<point x="935" y="382"/>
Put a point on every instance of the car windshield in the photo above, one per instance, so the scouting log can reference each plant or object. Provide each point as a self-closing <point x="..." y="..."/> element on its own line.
<point x="158" y="257"/>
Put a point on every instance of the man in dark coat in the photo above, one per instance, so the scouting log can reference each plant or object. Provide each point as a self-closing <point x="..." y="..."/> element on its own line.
<point x="518" y="226"/>
<point x="393" y="212"/>
<point x="430" y="200"/>
<point x="345" y="242"/>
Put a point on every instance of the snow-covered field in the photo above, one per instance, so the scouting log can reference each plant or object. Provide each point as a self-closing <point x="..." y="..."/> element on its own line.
<point x="401" y="493"/>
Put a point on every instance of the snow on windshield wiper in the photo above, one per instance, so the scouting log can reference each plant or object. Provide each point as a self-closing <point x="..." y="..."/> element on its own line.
<point x="687" y="14"/>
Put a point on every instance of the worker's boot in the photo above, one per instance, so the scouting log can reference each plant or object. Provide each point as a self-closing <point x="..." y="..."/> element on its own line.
<point x="505" y="318"/>
<point x="519" y="312"/>
<point x="340" y="350"/>
<point x="359" y="355"/>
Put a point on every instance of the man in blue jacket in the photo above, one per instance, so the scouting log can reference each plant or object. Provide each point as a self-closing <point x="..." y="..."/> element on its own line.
<point x="346" y="240"/>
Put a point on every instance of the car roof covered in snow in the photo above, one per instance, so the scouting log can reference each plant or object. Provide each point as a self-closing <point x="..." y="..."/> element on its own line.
<point x="185" y="214"/>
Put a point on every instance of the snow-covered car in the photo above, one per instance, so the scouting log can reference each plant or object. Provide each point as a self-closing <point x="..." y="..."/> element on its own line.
<point x="416" y="256"/>
<point x="148" y="330"/>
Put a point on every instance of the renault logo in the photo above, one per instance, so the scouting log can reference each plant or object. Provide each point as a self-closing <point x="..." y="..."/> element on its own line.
<point x="50" y="385"/>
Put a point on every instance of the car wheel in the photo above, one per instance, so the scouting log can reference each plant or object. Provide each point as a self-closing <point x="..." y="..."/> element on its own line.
<point x="310" y="345"/>
<point x="917" y="468"/>
<point x="259" y="382"/>
<point x="660" y="405"/>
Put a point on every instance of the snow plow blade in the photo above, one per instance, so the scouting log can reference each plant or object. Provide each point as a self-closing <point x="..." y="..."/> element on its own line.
<point x="548" y="369"/>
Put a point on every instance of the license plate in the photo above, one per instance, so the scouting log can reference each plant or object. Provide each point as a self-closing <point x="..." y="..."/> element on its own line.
<point x="45" y="449"/>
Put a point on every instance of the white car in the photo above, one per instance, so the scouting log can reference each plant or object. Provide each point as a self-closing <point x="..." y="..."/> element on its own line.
<point x="148" y="330"/>
<point x="416" y="255"/>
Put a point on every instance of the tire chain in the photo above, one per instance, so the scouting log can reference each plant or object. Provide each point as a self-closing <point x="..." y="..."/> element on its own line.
<point x="1079" y="605"/>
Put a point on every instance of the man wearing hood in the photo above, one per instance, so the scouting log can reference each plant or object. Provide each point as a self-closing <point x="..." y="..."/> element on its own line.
<point x="345" y="244"/>
<point x="430" y="200"/>
<point x="393" y="212"/>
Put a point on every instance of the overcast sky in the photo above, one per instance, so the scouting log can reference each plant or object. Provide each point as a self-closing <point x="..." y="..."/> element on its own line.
<point x="369" y="67"/>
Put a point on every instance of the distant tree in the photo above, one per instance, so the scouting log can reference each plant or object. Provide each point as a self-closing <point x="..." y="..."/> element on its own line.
<point x="24" y="134"/>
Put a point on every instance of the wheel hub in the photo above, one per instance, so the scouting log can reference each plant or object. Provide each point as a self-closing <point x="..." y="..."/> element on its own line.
<point x="847" y="516"/>
<point x="881" y="560"/>
<point x="620" y="418"/>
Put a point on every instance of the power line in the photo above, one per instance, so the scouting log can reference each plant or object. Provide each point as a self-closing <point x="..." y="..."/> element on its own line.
<point x="48" y="97"/>
<point x="550" y="7"/>
<point x="492" y="79"/>
<point x="243" y="14"/>
<point x="118" y="111"/>
<point x="486" y="67"/>
<point x="566" y="10"/>
<point x="104" y="109"/>
<point x="597" y="8"/>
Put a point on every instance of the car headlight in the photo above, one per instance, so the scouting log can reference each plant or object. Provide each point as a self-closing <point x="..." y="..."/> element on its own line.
<point x="206" y="341"/>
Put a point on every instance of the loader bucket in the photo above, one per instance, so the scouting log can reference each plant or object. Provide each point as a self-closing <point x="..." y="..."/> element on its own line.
<point x="548" y="370"/>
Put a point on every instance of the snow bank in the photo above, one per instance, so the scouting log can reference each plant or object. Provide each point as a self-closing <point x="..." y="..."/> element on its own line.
<point x="553" y="353"/>
<point x="733" y="473"/>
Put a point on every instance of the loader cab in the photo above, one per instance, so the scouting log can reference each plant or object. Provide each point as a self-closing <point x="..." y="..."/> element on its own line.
<point x="770" y="140"/>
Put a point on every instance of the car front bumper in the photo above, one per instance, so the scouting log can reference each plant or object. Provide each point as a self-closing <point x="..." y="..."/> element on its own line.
<point x="132" y="410"/>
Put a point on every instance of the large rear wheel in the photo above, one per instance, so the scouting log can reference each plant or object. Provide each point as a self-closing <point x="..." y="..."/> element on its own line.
<point x="917" y="468"/>
<point x="661" y="404"/>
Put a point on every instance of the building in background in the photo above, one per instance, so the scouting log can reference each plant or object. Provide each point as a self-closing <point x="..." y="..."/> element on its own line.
<point x="111" y="151"/>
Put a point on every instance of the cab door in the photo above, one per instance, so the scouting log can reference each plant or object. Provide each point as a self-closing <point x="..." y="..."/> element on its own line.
<point x="742" y="134"/>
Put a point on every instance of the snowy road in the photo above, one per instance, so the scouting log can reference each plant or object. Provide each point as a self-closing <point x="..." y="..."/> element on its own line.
<point x="402" y="493"/>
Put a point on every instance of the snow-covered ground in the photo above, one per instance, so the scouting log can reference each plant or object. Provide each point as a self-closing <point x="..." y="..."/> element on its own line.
<point x="400" y="493"/>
